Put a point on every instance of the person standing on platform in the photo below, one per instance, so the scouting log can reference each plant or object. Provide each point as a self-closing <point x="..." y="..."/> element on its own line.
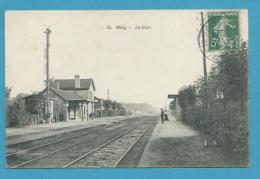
<point x="162" y="115"/>
<point x="166" y="116"/>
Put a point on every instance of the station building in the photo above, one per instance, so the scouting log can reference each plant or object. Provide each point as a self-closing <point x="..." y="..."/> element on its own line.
<point x="69" y="99"/>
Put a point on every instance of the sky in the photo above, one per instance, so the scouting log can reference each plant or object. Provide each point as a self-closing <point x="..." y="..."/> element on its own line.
<point x="136" y="65"/>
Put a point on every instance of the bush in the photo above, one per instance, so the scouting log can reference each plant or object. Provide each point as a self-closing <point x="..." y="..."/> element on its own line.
<point x="226" y="124"/>
<point x="15" y="113"/>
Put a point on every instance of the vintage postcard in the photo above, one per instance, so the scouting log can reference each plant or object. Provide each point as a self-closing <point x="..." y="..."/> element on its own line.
<point x="126" y="88"/>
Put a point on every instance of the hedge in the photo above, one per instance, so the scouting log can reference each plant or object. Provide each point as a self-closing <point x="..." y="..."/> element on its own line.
<point x="226" y="123"/>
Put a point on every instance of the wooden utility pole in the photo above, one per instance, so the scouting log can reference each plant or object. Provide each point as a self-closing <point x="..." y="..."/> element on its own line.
<point x="47" y="32"/>
<point x="92" y="110"/>
<point x="108" y="94"/>
<point x="87" y="111"/>
<point x="205" y="74"/>
<point x="204" y="53"/>
<point x="101" y="108"/>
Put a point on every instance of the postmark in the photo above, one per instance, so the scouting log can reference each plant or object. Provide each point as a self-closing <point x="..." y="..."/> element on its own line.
<point x="223" y="31"/>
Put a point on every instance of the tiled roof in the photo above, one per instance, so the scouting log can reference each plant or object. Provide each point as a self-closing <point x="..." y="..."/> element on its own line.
<point x="97" y="98"/>
<point x="68" y="95"/>
<point x="70" y="83"/>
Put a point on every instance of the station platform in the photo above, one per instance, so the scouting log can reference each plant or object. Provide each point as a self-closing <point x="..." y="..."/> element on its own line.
<point x="174" y="144"/>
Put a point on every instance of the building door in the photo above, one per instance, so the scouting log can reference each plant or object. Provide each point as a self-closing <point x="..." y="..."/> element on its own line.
<point x="51" y="109"/>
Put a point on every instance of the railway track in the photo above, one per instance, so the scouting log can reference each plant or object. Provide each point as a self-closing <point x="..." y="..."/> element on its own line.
<point x="35" y="143"/>
<point x="21" y="147"/>
<point x="55" y="141"/>
<point x="110" y="153"/>
<point x="60" y="153"/>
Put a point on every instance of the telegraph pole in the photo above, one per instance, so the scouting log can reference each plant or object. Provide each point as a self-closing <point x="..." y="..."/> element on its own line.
<point x="47" y="32"/>
<point x="108" y="94"/>
<point x="204" y="52"/>
<point x="205" y="73"/>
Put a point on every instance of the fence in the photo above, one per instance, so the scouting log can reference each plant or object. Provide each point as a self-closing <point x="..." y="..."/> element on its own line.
<point x="109" y="113"/>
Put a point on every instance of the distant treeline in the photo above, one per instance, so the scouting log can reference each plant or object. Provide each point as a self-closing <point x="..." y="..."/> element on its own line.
<point x="140" y="108"/>
<point x="112" y="108"/>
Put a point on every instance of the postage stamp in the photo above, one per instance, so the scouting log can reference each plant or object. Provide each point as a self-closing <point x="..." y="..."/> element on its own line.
<point x="223" y="31"/>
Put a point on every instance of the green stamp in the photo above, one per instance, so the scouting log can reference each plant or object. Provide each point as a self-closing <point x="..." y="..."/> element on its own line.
<point x="223" y="31"/>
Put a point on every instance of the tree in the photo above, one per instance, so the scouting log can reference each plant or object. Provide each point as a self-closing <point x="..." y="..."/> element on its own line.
<point x="173" y="104"/>
<point x="232" y="77"/>
<point x="120" y="106"/>
<point x="228" y="76"/>
<point x="187" y="96"/>
<point x="15" y="111"/>
<point x="114" y="105"/>
<point x="8" y="91"/>
<point x="107" y="104"/>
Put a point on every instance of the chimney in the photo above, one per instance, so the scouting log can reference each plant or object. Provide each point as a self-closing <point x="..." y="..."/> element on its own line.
<point x="77" y="81"/>
<point x="51" y="82"/>
<point x="58" y="85"/>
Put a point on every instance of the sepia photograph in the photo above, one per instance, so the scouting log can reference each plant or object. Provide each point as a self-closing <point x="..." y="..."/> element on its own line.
<point x="126" y="88"/>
